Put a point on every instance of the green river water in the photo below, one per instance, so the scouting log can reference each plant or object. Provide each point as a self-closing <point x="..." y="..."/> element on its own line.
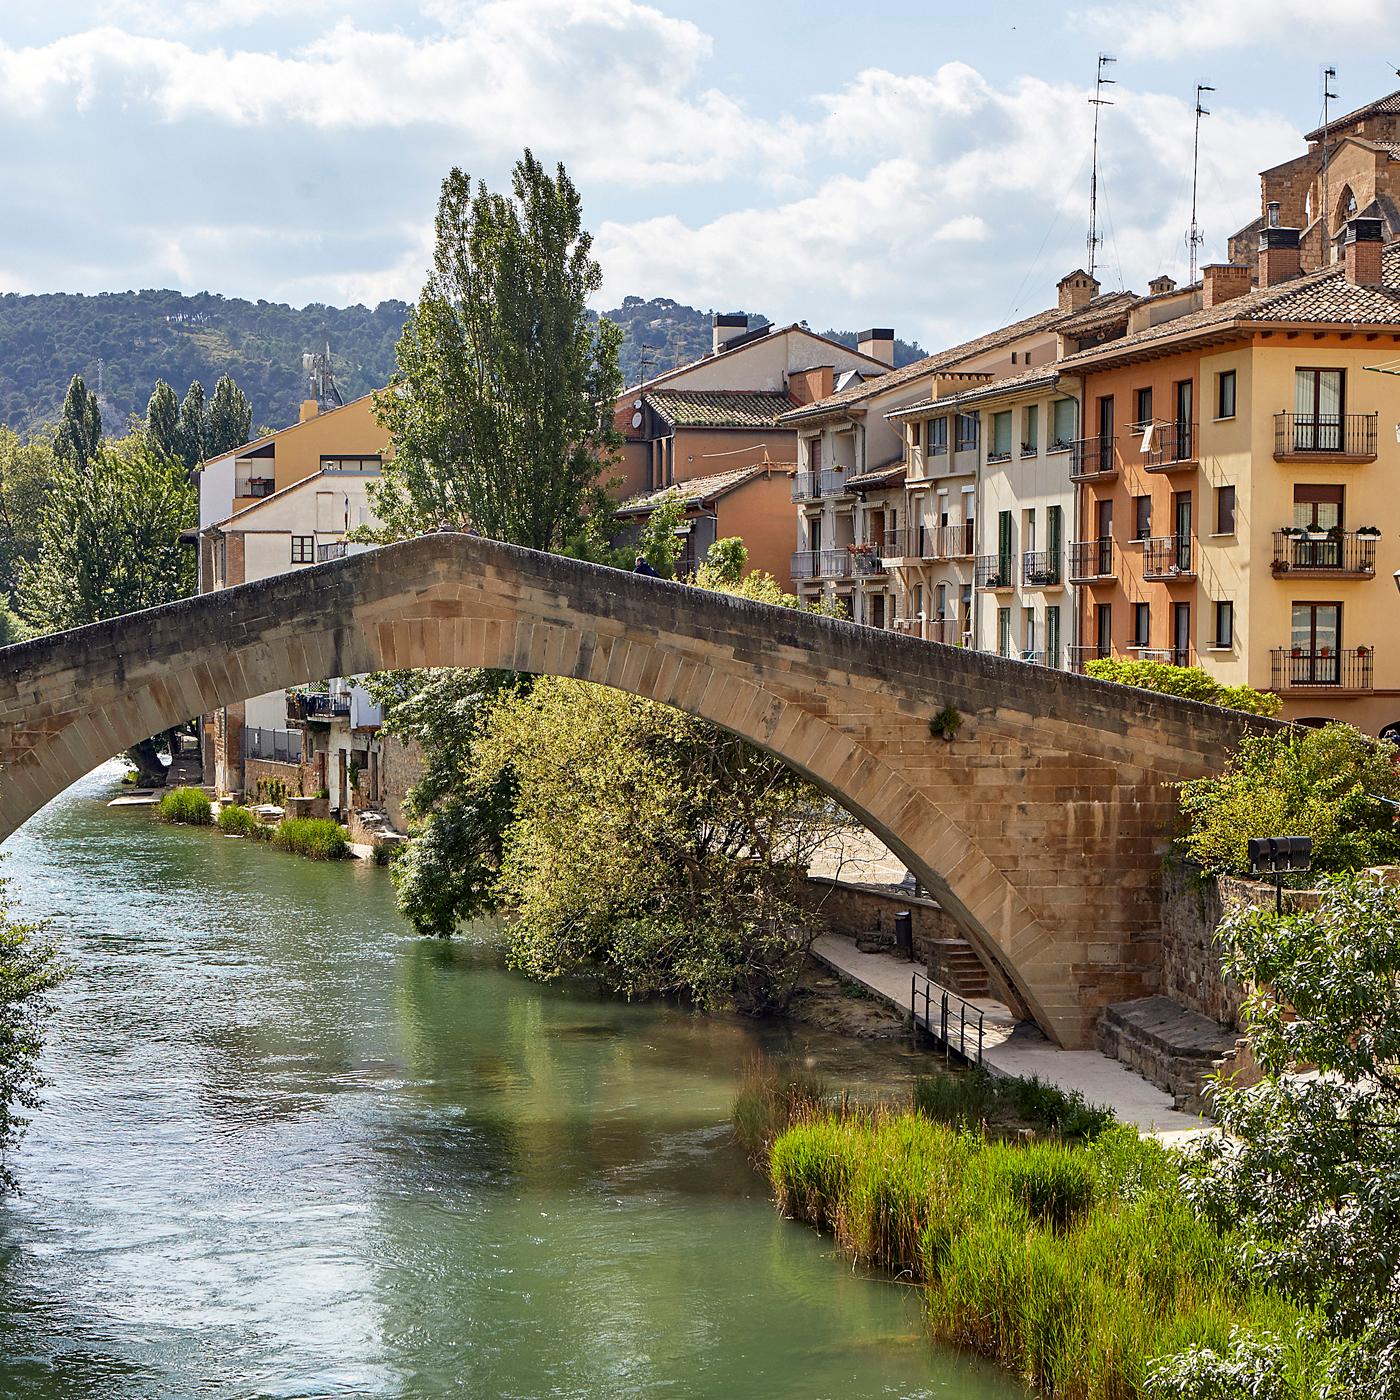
<point x="290" y="1150"/>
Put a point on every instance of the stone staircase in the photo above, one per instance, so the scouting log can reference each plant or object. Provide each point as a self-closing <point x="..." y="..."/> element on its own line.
<point x="952" y="961"/>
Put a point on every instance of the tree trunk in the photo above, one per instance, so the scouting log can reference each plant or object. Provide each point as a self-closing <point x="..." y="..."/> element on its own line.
<point x="150" y="771"/>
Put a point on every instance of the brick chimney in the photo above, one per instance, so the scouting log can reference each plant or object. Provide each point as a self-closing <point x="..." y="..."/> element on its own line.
<point x="310" y="408"/>
<point x="1160" y="286"/>
<point x="1221" y="281"/>
<point x="878" y="344"/>
<point x="728" y="326"/>
<point x="1279" y="254"/>
<point x="1362" y="251"/>
<point x="1077" y="290"/>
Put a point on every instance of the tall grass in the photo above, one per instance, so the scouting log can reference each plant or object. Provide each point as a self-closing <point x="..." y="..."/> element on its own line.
<point x="770" y="1098"/>
<point x="318" y="838"/>
<point x="975" y="1100"/>
<point x="1074" y="1266"/>
<point x="185" y="804"/>
<point x="237" y="821"/>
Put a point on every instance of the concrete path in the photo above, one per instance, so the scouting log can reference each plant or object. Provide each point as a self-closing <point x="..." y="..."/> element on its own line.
<point x="1018" y="1048"/>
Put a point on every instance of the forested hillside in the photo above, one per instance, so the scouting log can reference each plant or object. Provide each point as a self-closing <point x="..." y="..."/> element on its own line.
<point x="139" y="337"/>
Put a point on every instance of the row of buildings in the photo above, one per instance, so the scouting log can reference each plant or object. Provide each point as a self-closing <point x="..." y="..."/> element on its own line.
<point x="1200" y="475"/>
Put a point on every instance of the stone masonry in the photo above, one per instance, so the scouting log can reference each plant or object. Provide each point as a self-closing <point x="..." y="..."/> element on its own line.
<point x="1040" y="828"/>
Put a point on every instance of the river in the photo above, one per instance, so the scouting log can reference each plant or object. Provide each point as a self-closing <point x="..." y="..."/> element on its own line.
<point x="290" y="1150"/>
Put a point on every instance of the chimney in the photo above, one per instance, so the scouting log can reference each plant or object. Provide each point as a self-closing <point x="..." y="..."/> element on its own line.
<point x="1077" y="290"/>
<point x="309" y="409"/>
<point x="728" y="326"/>
<point x="1160" y="286"/>
<point x="1279" y="254"/>
<point x="1362" y="252"/>
<point x="878" y="344"/>
<point x="1221" y="281"/>
<point x="1271" y="213"/>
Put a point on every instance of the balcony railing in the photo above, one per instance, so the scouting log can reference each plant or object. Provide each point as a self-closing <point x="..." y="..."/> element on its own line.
<point x="825" y="563"/>
<point x="812" y="486"/>
<point x="1173" y="447"/>
<point x="1079" y="655"/>
<point x="911" y="542"/>
<point x="1330" y="668"/>
<point x="255" y="486"/>
<point x="318" y="705"/>
<point x="1343" y="555"/>
<point x="1091" y="560"/>
<point x="1092" y="459"/>
<point x="995" y="571"/>
<point x="334" y="550"/>
<point x="999" y="455"/>
<point x="1167" y="656"/>
<point x="1350" y="435"/>
<point x="866" y="560"/>
<point x="957" y="541"/>
<point x="1041" y="568"/>
<point x="276" y="745"/>
<point x="806" y="563"/>
<point x="1167" y="557"/>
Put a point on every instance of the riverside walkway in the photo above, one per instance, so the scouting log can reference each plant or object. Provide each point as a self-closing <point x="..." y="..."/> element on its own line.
<point x="1012" y="1047"/>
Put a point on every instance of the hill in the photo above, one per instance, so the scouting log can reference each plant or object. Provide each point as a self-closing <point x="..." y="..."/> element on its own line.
<point x="139" y="337"/>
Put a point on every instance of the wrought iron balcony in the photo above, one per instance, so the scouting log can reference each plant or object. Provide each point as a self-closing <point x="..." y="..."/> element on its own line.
<point x="1322" y="554"/>
<point x="813" y="486"/>
<point x="335" y="550"/>
<point x="1173" y="448"/>
<point x="1092" y="561"/>
<point x="1347" y="436"/>
<point x="319" y="705"/>
<point x="1041" y="569"/>
<point x="995" y="572"/>
<point x="911" y="542"/>
<point x="1079" y="655"/>
<point x="1323" y="668"/>
<point x="957" y="541"/>
<point x="1167" y="557"/>
<point x="865" y="559"/>
<point x="1092" y="459"/>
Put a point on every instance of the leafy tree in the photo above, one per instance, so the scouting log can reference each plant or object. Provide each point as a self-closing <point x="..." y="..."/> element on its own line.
<point x="724" y="564"/>
<point x="109" y="544"/>
<point x="500" y="411"/>
<point x="163" y="420"/>
<point x="193" y="430"/>
<point x="659" y="544"/>
<point x="26" y="477"/>
<point x="29" y="971"/>
<point x="230" y="418"/>
<point x="80" y="427"/>
<point x="1324" y="783"/>
<point x="1189" y="682"/>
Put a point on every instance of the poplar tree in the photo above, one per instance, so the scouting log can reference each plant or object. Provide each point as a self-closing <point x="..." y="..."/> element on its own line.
<point x="80" y="426"/>
<point x="230" y="420"/>
<point x="500" y="411"/>
<point x="163" y="420"/>
<point x="193" y="426"/>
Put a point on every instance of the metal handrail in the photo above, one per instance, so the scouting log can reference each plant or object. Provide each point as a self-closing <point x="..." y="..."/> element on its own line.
<point x="956" y="1016"/>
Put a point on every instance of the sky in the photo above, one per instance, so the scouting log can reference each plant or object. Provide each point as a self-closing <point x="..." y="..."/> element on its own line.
<point x="912" y="164"/>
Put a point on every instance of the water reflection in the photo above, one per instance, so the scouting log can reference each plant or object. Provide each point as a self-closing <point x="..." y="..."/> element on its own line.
<point x="290" y="1151"/>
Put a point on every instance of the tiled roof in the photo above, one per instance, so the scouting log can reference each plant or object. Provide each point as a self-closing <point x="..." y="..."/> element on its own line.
<point x="718" y="408"/>
<point x="1324" y="297"/>
<point x="1045" y="376"/>
<point x="697" y="491"/>
<point x="1053" y="319"/>
<point x="891" y="474"/>
<point x="1389" y="103"/>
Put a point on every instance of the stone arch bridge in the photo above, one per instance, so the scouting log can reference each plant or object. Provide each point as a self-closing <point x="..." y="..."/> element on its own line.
<point x="1040" y="827"/>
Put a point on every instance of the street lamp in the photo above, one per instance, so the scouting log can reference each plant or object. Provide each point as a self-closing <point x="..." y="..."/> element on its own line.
<point x="1279" y="856"/>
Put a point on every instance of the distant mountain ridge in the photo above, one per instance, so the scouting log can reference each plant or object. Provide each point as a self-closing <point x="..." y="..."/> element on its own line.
<point x="131" y="339"/>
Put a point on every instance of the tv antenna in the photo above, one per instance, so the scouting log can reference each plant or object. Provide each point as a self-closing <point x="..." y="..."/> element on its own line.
<point x="1195" y="238"/>
<point x="1328" y="96"/>
<point x="320" y="378"/>
<point x="1096" y="101"/>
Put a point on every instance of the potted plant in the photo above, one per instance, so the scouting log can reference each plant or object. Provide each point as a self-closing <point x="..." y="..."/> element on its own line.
<point x="1363" y="652"/>
<point x="1297" y="652"/>
<point x="1334" y="532"/>
<point x="1369" y="532"/>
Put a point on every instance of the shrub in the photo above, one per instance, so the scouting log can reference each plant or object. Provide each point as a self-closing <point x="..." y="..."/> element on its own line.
<point x="187" y="805"/>
<point x="318" y="838"/>
<point x="1189" y="682"/>
<point x="974" y="1099"/>
<point x="1324" y="783"/>
<point x="237" y="821"/>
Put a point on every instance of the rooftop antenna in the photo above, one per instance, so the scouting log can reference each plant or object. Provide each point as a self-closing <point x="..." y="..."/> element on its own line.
<point x="1328" y="96"/>
<point x="1096" y="101"/>
<point x="1195" y="238"/>
<point x="320" y="378"/>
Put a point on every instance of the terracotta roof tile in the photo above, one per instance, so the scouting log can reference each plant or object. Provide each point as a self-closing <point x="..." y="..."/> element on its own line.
<point x="1043" y="375"/>
<point x="696" y="491"/>
<point x="718" y="408"/>
<point x="1388" y="103"/>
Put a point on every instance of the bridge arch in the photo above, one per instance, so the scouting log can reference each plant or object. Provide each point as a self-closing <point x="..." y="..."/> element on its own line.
<point x="1040" y="827"/>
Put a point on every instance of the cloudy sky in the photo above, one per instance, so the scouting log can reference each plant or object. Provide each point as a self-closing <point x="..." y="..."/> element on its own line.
<point x="915" y="163"/>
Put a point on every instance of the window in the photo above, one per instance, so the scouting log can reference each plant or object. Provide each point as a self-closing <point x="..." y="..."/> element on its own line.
<point x="369" y="465"/>
<point x="814" y="454"/>
<point x="915" y="434"/>
<point x="967" y="431"/>
<point x="1317" y="639"/>
<point x="937" y="436"/>
<point x="1028" y="624"/>
<point x="1001" y="437"/>
<point x="1028" y="531"/>
<point x="1224" y="624"/>
<point x="1103" y="628"/>
<point x="1003" y="631"/>
<point x="1064" y="422"/>
<point x="1143" y="402"/>
<point x="1142" y="624"/>
<point x="1318" y="396"/>
<point x="1318" y="507"/>
<point x="303" y="549"/>
<point x="1055" y="534"/>
<point x="1142" y="517"/>
<point x="1225" y="394"/>
<point x="1185" y="419"/>
<point x="1224" y="510"/>
<point x="1030" y="429"/>
<point x="1181" y="634"/>
<point x="1004" y="544"/>
<point x="1052" y="636"/>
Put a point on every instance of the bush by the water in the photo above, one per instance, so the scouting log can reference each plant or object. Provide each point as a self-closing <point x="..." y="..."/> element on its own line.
<point x="316" y="837"/>
<point x="237" y="821"/>
<point x="1189" y="682"/>
<point x="975" y="1100"/>
<point x="770" y="1099"/>
<point x="1075" y="1266"/>
<point x="187" y="805"/>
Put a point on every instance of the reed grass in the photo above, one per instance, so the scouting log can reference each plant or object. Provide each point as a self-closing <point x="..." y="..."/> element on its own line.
<point x="237" y="821"/>
<point x="974" y="1100"/>
<point x="317" y="838"/>
<point x="771" y="1097"/>
<point x="187" y="805"/>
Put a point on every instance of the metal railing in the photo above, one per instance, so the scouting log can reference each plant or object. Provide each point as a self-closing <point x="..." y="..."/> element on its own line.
<point x="321" y="705"/>
<point x="957" y="541"/>
<point x="811" y="486"/>
<point x="1343" y="553"/>
<point x="953" y="1021"/>
<point x="911" y="542"/>
<point x="866" y="559"/>
<point x="1337" y="434"/>
<point x="1168" y="557"/>
<point x="1173" y="446"/>
<point x="823" y="563"/>
<point x="1040" y="568"/>
<point x="806" y="563"/>
<point x="256" y="487"/>
<point x="995" y="571"/>
<point x="1092" y="459"/>
<point x="1079" y="655"/>
<point x="1091" y="559"/>
<point x="276" y="745"/>
<point x="1347" y="668"/>
<point x="335" y="550"/>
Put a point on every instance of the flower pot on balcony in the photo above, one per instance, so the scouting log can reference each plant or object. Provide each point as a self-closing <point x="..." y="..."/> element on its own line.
<point x="1324" y="651"/>
<point x="1296" y="652"/>
<point x="1363" y="652"/>
<point x="1368" y="532"/>
<point x="1280" y="566"/>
